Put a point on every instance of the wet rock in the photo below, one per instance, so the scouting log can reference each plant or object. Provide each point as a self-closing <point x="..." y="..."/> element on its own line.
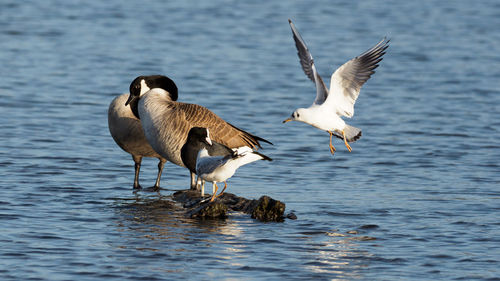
<point x="265" y="209"/>
<point x="268" y="209"/>
<point x="352" y="232"/>
<point x="291" y="216"/>
<point x="209" y="210"/>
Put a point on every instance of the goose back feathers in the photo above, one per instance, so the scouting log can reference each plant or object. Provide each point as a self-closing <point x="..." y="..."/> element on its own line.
<point x="166" y="124"/>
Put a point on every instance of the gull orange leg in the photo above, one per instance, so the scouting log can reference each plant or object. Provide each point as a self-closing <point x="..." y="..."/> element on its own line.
<point x="332" y="149"/>
<point x="225" y="186"/>
<point x="345" y="141"/>
<point x="214" y="193"/>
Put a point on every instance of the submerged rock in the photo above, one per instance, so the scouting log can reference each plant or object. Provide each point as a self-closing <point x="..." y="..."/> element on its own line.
<point x="265" y="209"/>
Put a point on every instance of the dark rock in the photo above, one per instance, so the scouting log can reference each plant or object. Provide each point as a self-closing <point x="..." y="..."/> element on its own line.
<point x="291" y="216"/>
<point x="209" y="210"/>
<point x="265" y="209"/>
<point x="268" y="209"/>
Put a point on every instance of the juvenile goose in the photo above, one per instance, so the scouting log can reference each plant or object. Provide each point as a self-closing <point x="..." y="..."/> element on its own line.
<point x="166" y="122"/>
<point x="189" y="151"/>
<point x="345" y="84"/>
<point x="127" y="132"/>
<point x="216" y="168"/>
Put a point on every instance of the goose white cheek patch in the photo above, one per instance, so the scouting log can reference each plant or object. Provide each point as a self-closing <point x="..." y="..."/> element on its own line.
<point x="144" y="87"/>
<point x="208" y="138"/>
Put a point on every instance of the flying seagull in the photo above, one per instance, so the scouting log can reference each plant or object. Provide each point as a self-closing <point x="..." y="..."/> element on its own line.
<point x="331" y="105"/>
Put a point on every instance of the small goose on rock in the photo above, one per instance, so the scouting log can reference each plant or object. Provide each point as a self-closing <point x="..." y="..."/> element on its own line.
<point x="189" y="151"/>
<point x="166" y="122"/>
<point x="216" y="162"/>
<point x="127" y="132"/>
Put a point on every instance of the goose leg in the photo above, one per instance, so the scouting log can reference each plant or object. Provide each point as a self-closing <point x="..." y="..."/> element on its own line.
<point x="332" y="149"/>
<point x="137" y="166"/>
<point x="194" y="185"/>
<point x="214" y="185"/>
<point x="161" y="164"/>
<point x="345" y="141"/>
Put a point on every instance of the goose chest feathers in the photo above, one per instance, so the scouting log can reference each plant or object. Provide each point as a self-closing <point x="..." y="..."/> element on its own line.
<point x="127" y="132"/>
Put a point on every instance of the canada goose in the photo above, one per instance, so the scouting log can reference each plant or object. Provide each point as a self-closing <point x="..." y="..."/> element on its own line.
<point x="166" y="122"/>
<point x="127" y="132"/>
<point x="217" y="168"/>
<point x="329" y="105"/>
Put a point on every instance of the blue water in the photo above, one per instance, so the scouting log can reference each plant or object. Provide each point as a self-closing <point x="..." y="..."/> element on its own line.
<point x="417" y="199"/>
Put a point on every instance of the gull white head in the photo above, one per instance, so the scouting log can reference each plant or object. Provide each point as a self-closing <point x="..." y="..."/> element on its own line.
<point x="299" y="114"/>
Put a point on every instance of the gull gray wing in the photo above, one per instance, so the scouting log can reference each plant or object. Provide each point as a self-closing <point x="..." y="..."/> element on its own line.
<point x="346" y="81"/>
<point x="307" y="63"/>
<point x="207" y="165"/>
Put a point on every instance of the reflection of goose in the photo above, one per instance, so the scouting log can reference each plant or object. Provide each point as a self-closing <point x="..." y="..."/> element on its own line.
<point x="166" y="122"/>
<point x="329" y="105"/>
<point x="127" y="132"/>
<point x="217" y="167"/>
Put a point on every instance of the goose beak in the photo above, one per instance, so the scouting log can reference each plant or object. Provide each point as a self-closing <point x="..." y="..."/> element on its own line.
<point x="131" y="98"/>
<point x="287" y="120"/>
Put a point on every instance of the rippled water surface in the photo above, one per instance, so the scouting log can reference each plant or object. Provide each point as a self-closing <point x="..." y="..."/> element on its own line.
<point x="418" y="198"/>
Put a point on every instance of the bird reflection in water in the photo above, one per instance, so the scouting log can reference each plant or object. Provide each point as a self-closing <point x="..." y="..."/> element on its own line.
<point x="160" y="218"/>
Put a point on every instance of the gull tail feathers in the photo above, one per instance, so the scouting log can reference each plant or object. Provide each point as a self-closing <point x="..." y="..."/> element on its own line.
<point x="352" y="134"/>
<point x="243" y="157"/>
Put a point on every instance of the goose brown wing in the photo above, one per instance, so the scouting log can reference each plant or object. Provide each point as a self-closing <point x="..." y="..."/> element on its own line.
<point x="220" y="130"/>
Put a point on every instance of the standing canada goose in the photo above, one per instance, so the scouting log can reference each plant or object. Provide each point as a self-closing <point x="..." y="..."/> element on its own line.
<point x="330" y="105"/>
<point x="127" y="132"/>
<point x="166" y="122"/>
<point x="216" y="168"/>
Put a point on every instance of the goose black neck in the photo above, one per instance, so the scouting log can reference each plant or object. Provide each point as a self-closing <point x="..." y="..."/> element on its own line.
<point x="189" y="154"/>
<point x="134" y="105"/>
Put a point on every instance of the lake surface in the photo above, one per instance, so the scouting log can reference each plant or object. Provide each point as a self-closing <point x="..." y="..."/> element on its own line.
<point x="417" y="199"/>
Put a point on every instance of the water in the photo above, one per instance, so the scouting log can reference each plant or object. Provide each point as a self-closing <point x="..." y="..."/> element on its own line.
<point x="423" y="181"/>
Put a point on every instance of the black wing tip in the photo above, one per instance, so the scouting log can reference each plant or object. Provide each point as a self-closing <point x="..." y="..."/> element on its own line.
<point x="289" y="21"/>
<point x="264" y="157"/>
<point x="252" y="140"/>
<point x="261" y="139"/>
